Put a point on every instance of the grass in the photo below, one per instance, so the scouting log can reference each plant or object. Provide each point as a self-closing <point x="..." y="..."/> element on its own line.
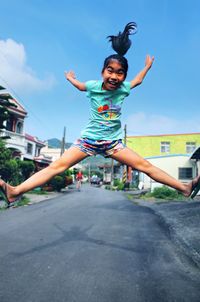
<point x="22" y="202"/>
<point x="149" y="198"/>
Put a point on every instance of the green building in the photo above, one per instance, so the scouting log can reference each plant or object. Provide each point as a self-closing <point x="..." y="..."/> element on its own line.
<point x="162" y="145"/>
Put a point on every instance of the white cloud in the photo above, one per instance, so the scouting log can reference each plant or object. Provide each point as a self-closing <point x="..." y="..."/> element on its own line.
<point x="15" y="71"/>
<point x="142" y="123"/>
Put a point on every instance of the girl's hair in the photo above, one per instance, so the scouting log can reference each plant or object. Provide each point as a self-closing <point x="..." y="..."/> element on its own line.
<point x="121" y="43"/>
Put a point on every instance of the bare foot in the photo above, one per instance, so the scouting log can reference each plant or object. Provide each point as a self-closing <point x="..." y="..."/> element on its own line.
<point x="191" y="186"/>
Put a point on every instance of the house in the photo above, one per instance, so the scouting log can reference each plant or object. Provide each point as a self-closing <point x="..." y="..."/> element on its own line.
<point x="176" y="154"/>
<point x="33" y="147"/>
<point x="22" y="145"/>
<point x="55" y="153"/>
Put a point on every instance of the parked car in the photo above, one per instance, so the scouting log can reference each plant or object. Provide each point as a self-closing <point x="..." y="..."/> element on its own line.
<point x="95" y="180"/>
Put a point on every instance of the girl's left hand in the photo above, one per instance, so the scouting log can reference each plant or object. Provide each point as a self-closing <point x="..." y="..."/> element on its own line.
<point x="149" y="61"/>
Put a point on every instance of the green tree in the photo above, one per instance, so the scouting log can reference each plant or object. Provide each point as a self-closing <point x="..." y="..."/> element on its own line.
<point x="26" y="168"/>
<point x="9" y="168"/>
<point x="5" y="104"/>
<point x="10" y="172"/>
<point x="5" y="153"/>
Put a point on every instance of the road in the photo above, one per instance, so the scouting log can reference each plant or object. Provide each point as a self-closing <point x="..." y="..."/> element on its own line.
<point x="92" y="246"/>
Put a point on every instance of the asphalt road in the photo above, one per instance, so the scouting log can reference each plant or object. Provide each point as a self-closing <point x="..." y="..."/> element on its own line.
<point x="92" y="246"/>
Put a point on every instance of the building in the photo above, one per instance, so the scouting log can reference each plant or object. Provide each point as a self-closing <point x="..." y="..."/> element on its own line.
<point x="176" y="154"/>
<point x="33" y="147"/>
<point x="55" y="153"/>
<point x="14" y="130"/>
<point x="159" y="145"/>
<point x="22" y="145"/>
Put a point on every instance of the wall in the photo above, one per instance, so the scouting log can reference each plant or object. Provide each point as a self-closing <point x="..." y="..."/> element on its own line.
<point x="150" y="145"/>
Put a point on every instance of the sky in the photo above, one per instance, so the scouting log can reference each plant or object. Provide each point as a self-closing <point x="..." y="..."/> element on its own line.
<point x="40" y="39"/>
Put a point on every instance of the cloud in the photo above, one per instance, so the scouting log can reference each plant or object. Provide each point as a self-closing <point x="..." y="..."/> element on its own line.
<point x="142" y="123"/>
<point x="15" y="72"/>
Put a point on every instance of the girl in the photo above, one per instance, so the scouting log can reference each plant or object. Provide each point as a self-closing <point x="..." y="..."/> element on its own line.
<point x="103" y="133"/>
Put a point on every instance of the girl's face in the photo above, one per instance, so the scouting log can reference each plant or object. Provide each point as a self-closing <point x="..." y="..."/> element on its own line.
<point x="113" y="75"/>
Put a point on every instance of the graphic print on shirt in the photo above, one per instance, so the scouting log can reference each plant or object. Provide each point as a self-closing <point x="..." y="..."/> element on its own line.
<point x="109" y="111"/>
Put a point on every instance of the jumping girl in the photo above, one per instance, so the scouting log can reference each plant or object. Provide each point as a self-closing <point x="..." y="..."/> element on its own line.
<point x="103" y="133"/>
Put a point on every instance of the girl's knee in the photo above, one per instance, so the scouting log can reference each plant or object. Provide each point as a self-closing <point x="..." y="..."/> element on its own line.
<point x="58" y="166"/>
<point x="144" y="166"/>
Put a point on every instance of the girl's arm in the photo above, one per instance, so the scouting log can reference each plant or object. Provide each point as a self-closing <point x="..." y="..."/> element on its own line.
<point x="70" y="76"/>
<point x="141" y="75"/>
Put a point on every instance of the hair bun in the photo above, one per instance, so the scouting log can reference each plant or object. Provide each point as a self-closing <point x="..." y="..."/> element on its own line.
<point x="121" y="43"/>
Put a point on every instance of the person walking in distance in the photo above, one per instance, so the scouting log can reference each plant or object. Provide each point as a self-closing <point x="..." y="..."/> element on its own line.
<point x="79" y="178"/>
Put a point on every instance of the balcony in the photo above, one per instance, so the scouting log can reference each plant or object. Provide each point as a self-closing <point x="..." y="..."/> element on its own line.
<point x="16" y="140"/>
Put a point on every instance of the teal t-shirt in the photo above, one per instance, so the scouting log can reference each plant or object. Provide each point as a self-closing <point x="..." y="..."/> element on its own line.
<point x="105" y="111"/>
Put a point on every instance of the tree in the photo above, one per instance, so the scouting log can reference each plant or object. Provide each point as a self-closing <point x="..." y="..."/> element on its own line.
<point x="5" y="104"/>
<point x="10" y="172"/>
<point x="5" y="154"/>
<point x="26" y="168"/>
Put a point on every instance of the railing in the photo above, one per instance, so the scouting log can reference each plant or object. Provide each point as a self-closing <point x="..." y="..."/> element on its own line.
<point x="16" y="139"/>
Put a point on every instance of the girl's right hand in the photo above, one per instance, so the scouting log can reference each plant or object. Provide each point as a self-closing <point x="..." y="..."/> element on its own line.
<point x="69" y="75"/>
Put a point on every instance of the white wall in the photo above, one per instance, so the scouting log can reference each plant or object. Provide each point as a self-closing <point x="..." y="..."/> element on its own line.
<point x="170" y="164"/>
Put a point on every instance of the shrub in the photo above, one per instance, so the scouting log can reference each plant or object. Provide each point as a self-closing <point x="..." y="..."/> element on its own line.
<point x="120" y="186"/>
<point x="68" y="180"/>
<point x="10" y="172"/>
<point x="117" y="183"/>
<point x="164" y="193"/>
<point x="58" y="183"/>
<point x="68" y="173"/>
<point x="27" y="168"/>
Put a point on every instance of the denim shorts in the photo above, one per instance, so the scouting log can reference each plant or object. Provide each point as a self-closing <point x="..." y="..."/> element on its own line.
<point x="101" y="147"/>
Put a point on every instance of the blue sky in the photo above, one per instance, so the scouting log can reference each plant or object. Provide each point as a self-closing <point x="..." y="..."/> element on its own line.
<point x="41" y="39"/>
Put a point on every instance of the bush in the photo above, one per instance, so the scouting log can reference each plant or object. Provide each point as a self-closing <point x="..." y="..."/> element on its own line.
<point x="68" y="173"/>
<point x="10" y="172"/>
<point x="164" y="193"/>
<point x="68" y="180"/>
<point x="119" y="184"/>
<point x="58" y="183"/>
<point x="27" y="168"/>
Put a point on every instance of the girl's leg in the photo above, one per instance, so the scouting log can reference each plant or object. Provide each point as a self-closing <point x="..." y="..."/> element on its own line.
<point x="69" y="158"/>
<point x="130" y="158"/>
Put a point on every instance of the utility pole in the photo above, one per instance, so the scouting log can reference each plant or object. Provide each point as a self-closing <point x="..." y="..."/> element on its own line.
<point x="112" y="172"/>
<point x="125" y="167"/>
<point x="125" y="135"/>
<point x="62" y="149"/>
<point x="89" y="172"/>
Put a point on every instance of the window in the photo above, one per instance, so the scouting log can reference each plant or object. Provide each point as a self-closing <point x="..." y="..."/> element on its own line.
<point x="19" y="128"/>
<point x="190" y="147"/>
<point x="37" y="151"/>
<point x="165" y="147"/>
<point x="185" y="173"/>
<point x="29" y="148"/>
<point x="9" y="124"/>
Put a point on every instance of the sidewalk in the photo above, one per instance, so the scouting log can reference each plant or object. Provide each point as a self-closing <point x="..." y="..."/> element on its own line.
<point x="35" y="198"/>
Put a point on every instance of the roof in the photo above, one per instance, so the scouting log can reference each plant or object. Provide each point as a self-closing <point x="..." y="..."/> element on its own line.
<point x="19" y="108"/>
<point x="34" y="139"/>
<point x="158" y="135"/>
